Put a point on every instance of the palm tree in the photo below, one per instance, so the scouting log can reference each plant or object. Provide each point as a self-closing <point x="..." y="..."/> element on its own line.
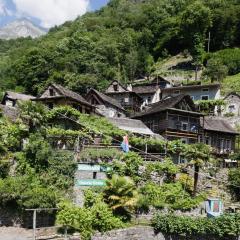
<point x="121" y="194"/>
<point x="197" y="154"/>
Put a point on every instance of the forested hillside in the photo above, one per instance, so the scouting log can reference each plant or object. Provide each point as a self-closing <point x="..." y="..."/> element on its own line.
<point x="123" y="41"/>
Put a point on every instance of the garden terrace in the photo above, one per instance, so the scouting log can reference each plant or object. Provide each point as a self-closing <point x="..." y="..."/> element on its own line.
<point x="98" y="153"/>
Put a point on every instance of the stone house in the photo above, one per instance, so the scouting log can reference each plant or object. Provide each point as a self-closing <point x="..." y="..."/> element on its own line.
<point x="219" y="134"/>
<point x="129" y="99"/>
<point x="105" y="105"/>
<point x="56" y="95"/>
<point x="196" y="92"/>
<point x="11" y="99"/>
<point x="232" y="107"/>
<point x="148" y="92"/>
<point x="174" y="118"/>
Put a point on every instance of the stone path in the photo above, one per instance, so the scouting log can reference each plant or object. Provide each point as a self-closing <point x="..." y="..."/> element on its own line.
<point x="12" y="233"/>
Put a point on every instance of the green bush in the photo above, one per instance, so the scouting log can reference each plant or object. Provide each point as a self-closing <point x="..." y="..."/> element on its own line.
<point x="171" y="196"/>
<point x="87" y="220"/>
<point x="127" y="165"/>
<point x="27" y="192"/>
<point x="234" y="182"/>
<point x="229" y="57"/>
<point x="222" y="227"/>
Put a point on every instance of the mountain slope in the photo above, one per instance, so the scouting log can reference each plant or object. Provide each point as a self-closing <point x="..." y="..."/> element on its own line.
<point x="21" y="28"/>
<point x="121" y="41"/>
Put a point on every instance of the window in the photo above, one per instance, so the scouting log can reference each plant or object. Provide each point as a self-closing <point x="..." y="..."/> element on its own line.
<point x="205" y="97"/>
<point x="228" y="144"/>
<point x="177" y="92"/>
<point x="126" y="100"/>
<point x="208" y="140"/>
<point x="51" y="92"/>
<point x="94" y="175"/>
<point x="115" y="87"/>
<point x="205" y="90"/>
<point x="193" y="127"/>
<point x="9" y="103"/>
<point x="231" y="108"/>
<point x="149" y="99"/>
<point x="192" y="97"/>
<point x="50" y="105"/>
<point x="184" y="140"/>
<point x="184" y="126"/>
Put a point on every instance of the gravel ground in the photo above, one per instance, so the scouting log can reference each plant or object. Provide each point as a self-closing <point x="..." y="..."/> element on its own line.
<point x="12" y="233"/>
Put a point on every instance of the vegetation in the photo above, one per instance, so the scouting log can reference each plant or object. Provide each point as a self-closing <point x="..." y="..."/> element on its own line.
<point x="170" y="195"/>
<point x="135" y="35"/>
<point x="209" y="106"/>
<point x="197" y="154"/>
<point x="121" y="194"/>
<point x="224" y="227"/>
<point x="87" y="220"/>
<point x="234" y="183"/>
<point x="231" y="83"/>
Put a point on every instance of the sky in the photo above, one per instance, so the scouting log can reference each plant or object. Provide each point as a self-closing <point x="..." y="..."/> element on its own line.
<point x="46" y="13"/>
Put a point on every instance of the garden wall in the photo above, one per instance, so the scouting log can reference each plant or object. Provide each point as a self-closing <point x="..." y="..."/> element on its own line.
<point x="145" y="233"/>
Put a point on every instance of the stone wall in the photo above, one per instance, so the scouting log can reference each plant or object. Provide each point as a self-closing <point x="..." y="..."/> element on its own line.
<point x="146" y="233"/>
<point x="133" y="233"/>
<point x="10" y="217"/>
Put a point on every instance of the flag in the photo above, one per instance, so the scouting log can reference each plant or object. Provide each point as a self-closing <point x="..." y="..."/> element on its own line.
<point x="125" y="144"/>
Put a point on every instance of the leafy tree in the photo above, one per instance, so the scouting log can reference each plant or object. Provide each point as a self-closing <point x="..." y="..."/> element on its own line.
<point x="196" y="20"/>
<point x="38" y="152"/>
<point x="197" y="154"/>
<point x="215" y="70"/>
<point x="33" y="114"/>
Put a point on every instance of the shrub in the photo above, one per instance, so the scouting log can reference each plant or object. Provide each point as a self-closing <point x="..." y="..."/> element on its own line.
<point x="223" y="226"/>
<point x="234" y="182"/>
<point x="171" y="195"/>
<point x="87" y="220"/>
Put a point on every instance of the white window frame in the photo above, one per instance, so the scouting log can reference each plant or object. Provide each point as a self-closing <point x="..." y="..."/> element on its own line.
<point x="204" y="96"/>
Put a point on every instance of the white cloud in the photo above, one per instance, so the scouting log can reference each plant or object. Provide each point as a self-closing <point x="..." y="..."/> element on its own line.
<point x="4" y="11"/>
<point x="51" y="12"/>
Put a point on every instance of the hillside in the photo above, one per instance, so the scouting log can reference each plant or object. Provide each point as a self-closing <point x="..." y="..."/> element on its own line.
<point x="124" y="40"/>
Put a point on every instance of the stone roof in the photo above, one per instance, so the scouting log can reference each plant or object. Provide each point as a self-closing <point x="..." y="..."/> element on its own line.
<point x="9" y="112"/>
<point x="168" y="103"/>
<point x="145" y="89"/>
<point x="232" y="93"/>
<point x="217" y="125"/>
<point x="189" y="87"/>
<point x="17" y="96"/>
<point x="131" y="125"/>
<point x="67" y="93"/>
<point x="106" y="98"/>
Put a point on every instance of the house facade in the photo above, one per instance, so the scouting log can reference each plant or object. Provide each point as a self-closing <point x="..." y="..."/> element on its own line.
<point x="148" y="92"/>
<point x="56" y="95"/>
<point x="175" y="118"/>
<point x="11" y="99"/>
<point x="105" y="105"/>
<point x="128" y="99"/>
<point x="197" y="92"/>
<point x="219" y="134"/>
<point x="232" y="104"/>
